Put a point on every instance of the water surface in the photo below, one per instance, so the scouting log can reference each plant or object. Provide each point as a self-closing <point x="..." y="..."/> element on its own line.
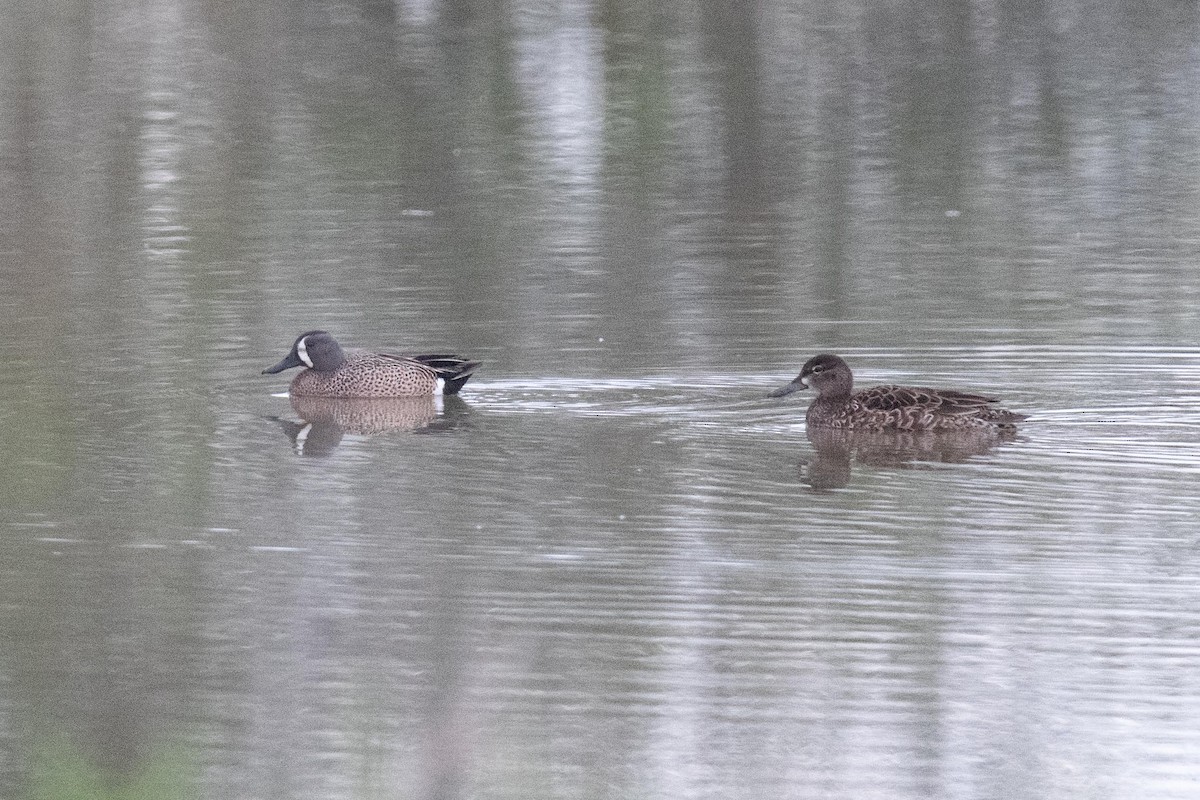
<point x="613" y="567"/>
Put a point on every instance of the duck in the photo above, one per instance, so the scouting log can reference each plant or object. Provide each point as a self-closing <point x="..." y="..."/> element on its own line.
<point x="337" y="373"/>
<point x="881" y="408"/>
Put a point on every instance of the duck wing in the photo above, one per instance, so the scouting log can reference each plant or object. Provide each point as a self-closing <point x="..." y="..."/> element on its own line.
<point x="453" y="369"/>
<point x="937" y="401"/>
<point x="432" y="362"/>
<point x="395" y="358"/>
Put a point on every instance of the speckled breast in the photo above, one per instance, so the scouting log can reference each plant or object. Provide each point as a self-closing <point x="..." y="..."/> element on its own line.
<point x="364" y="376"/>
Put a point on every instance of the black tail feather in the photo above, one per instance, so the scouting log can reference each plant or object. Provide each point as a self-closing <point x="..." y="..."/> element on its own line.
<point x="454" y="370"/>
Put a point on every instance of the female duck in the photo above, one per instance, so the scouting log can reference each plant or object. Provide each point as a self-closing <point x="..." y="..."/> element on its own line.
<point x="904" y="408"/>
<point x="334" y="372"/>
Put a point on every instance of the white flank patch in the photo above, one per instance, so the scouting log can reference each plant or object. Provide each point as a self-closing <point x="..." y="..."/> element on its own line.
<point x="302" y="351"/>
<point x="439" y="386"/>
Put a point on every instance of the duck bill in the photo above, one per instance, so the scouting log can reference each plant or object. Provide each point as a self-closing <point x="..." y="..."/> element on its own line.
<point x="292" y="360"/>
<point x="783" y="391"/>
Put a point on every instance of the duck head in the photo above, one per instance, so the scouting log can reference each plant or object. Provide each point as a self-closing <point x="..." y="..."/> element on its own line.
<point x="315" y="350"/>
<point x="827" y="374"/>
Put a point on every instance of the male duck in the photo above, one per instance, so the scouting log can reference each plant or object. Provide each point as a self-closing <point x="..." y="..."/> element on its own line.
<point x="904" y="408"/>
<point x="334" y="372"/>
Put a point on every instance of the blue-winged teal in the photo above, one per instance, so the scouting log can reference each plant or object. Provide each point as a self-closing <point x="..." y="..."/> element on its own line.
<point x="334" y="372"/>
<point x="903" y="408"/>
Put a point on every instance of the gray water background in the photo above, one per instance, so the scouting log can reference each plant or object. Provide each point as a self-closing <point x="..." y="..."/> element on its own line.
<point x="614" y="570"/>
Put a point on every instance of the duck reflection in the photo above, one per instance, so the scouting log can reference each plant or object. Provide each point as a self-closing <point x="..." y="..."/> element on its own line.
<point x="837" y="447"/>
<point x="326" y="420"/>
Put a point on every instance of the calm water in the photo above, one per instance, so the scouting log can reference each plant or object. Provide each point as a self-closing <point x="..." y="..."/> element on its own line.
<point x="613" y="568"/>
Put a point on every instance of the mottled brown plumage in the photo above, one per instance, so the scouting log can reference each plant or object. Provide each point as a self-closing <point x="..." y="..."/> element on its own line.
<point x="334" y="372"/>
<point x="905" y="408"/>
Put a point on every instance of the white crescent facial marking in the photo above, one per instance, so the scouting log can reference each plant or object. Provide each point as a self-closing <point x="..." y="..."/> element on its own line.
<point x="302" y="351"/>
